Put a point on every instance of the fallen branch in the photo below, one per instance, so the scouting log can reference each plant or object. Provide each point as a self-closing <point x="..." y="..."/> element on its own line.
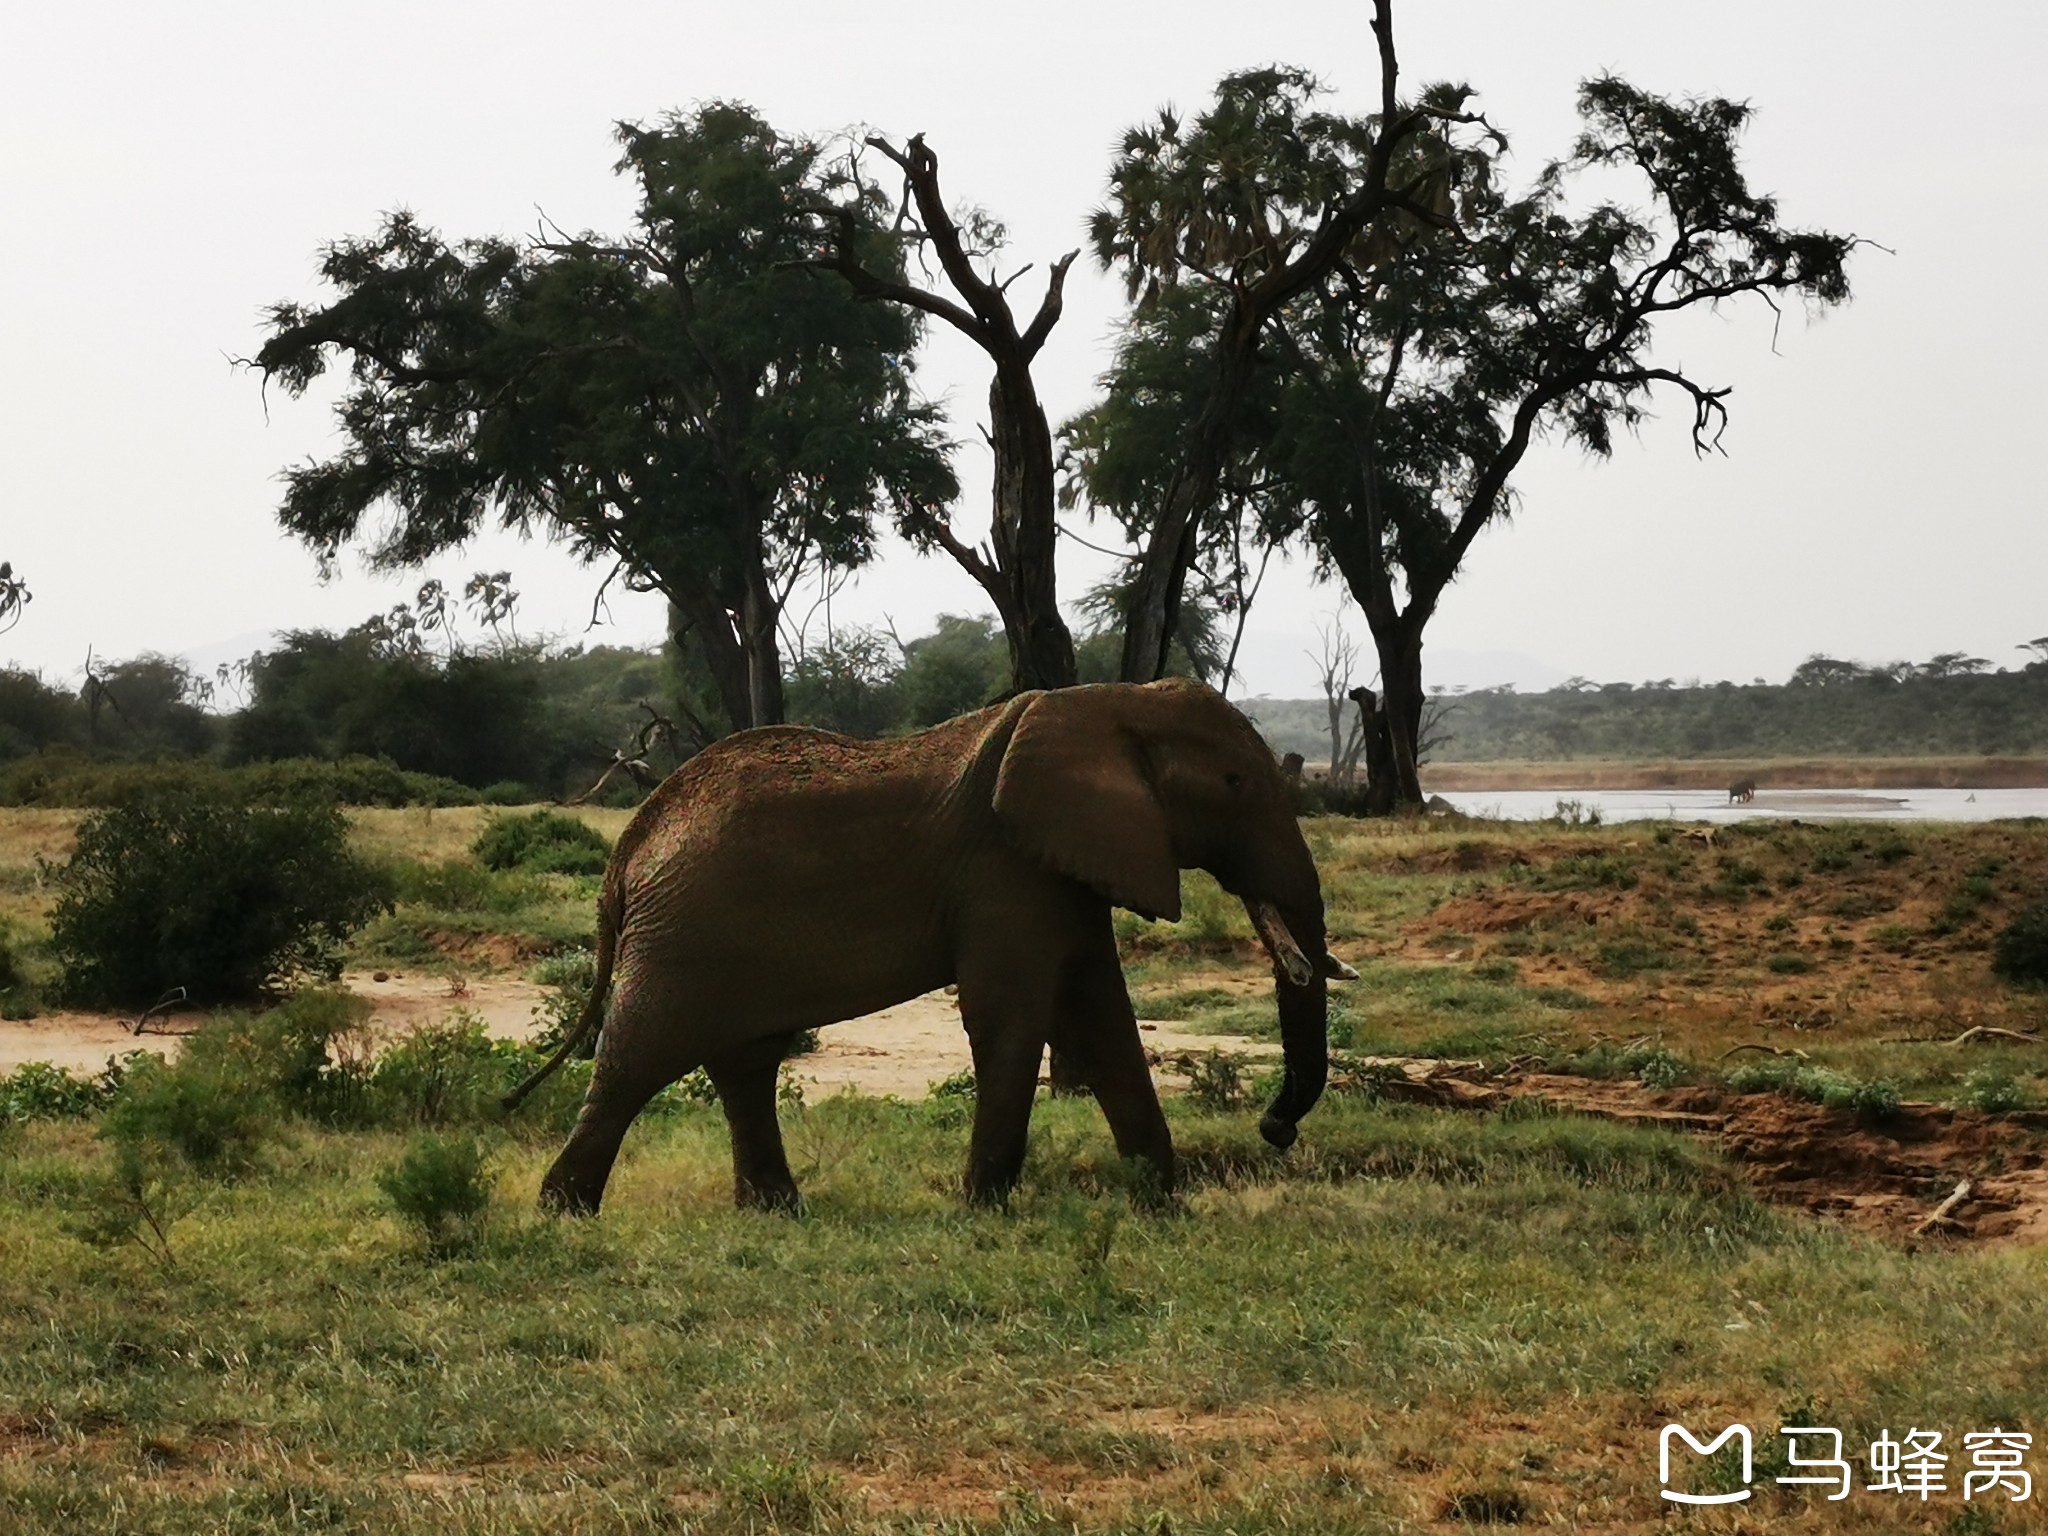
<point x="1974" y="1032"/>
<point x="1992" y="1031"/>
<point x="1941" y="1211"/>
<point x="1759" y="1046"/>
<point x="175" y="998"/>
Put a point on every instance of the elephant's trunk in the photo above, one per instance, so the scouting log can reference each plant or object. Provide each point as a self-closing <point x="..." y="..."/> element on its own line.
<point x="1301" y="987"/>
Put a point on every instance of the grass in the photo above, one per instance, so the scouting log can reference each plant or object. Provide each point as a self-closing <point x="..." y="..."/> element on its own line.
<point x="1412" y="1308"/>
<point x="1417" y="1320"/>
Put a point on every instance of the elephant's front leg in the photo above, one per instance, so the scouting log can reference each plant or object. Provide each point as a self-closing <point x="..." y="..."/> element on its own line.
<point x="1098" y="1028"/>
<point x="1009" y="987"/>
<point x="746" y="1080"/>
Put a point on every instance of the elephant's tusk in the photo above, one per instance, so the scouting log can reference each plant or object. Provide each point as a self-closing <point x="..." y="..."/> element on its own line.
<point x="1286" y="953"/>
<point x="1336" y="969"/>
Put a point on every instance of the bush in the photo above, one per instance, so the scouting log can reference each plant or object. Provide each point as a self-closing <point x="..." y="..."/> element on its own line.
<point x="309" y="1056"/>
<point x="442" y="1186"/>
<point x="2020" y="953"/>
<point x="214" y="1116"/>
<point x="542" y="842"/>
<point x="178" y="889"/>
<point x="61" y="776"/>
<point x="445" y="1073"/>
<point x="36" y="1090"/>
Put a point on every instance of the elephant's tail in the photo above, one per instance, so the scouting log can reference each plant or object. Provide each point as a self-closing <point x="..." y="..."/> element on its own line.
<point x="610" y="909"/>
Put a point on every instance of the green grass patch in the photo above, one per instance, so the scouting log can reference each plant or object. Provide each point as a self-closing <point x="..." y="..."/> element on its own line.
<point x="308" y="1362"/>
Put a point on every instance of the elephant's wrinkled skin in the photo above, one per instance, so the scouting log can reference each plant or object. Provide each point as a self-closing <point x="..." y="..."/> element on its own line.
<point x="789" y="878"/>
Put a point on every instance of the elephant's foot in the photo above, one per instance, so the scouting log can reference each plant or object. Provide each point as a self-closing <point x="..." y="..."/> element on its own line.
<point x="778" y="1197"/>
<point x="989" y="1194"/>
<point x="562" y="1193"/>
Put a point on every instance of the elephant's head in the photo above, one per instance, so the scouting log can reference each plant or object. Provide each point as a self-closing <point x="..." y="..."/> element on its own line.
<point x="1122" y="786"/>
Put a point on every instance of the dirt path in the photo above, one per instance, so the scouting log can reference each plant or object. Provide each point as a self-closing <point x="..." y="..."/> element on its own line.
<point x="901" y="1050"/>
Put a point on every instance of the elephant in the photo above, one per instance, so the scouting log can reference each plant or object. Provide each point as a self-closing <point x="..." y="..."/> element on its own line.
<point x="1742" y="791"/>
<point x="787" y="878"/>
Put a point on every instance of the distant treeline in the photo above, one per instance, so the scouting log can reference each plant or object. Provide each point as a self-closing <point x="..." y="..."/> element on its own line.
<point x="394" y="721"/>
<point x="355" y="717"/>
<point x="1828" y="709"/>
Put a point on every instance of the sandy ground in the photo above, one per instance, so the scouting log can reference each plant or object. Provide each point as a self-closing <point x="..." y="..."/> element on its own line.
<point x="901" y="1050"/>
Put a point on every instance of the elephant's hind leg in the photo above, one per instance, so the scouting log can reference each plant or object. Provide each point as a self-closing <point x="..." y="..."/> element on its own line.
<point x="626" y="1075"/>
<point x="746" y="1080"/>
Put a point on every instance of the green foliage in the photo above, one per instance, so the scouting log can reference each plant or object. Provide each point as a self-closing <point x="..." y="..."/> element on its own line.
<point x="2020" y="952"/>
<point x="492" y="378"/>
<point x="849" y="685"/>
<point x="542" y="842"/>
<point x="208" y="1109"/>
<point x="442" y="1187"/>
<point x="37" y="1090"/>
<point x="178" y="889"/>
<point x="68" y="777"/>
<point x="568" y="978"/>
<point x="143" y="1194"/>
<point x="1216" y="1079"/>
<point x="446" y="1072"/>
<point x="1875" y="1099"/>
<point x="1993" y="1092"/>
<point x="17" y="995"/>
<point x="960" y="666"/>
<point x="1922" y="716"/>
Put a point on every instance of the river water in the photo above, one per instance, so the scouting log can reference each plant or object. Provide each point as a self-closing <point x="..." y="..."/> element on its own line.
<point x="1778" y="804"/>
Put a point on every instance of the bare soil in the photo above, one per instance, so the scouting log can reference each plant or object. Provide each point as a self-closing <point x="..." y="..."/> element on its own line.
<point x="902" y="1050"/>
<point x="1887" y="1177"/>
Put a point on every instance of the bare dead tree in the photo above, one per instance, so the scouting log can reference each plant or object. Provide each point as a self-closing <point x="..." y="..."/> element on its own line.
<point x="1339" y="655"/>
<point x="1016" y="567"/>
<point x="633" y="760"/>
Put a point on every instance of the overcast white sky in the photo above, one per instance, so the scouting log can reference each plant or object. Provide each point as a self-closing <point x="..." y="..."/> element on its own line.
<point x="169" y="170"/>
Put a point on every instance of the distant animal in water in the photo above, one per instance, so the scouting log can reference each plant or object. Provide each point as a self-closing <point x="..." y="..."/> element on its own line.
<point x="1742" y="791"/>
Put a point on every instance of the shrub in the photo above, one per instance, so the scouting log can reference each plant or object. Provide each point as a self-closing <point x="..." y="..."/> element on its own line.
<point x="36" y="1090"/>
<point x="61" y="776"/>
<point x="310" y="1055"/>
<point x="442" y="1186"/>
<point x="568" y="978"/>
<point x="212" y="1115"/>
<point x="2020" y="953"/>
<point x="1992" y="1092"/>
<point x="1216" y="1079"/>
<point x="1877" y="1099"/>
<point x="444" y="1073"/>
<point x="179" y="889"/>
<point x="542" y="842"/>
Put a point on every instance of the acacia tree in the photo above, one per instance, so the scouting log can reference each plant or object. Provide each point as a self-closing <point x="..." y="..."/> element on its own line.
<point x="1257" y="200"/>
<point x="1017" y="570"/>
<point x="686" y="402"/>
<point x="1409" y="383"/>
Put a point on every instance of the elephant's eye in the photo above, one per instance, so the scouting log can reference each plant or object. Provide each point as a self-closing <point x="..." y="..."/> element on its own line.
<point x="1233" y="781"/>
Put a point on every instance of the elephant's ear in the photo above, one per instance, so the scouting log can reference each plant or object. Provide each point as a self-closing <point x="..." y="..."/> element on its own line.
<point x="1073" y="792"/>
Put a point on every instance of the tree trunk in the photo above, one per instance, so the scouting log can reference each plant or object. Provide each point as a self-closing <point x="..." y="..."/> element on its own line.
<point x="1400" y="653"/>
<point x="757" y="616"/>
<point x="702" y="622"/>
<point x="1025" y="532"/>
